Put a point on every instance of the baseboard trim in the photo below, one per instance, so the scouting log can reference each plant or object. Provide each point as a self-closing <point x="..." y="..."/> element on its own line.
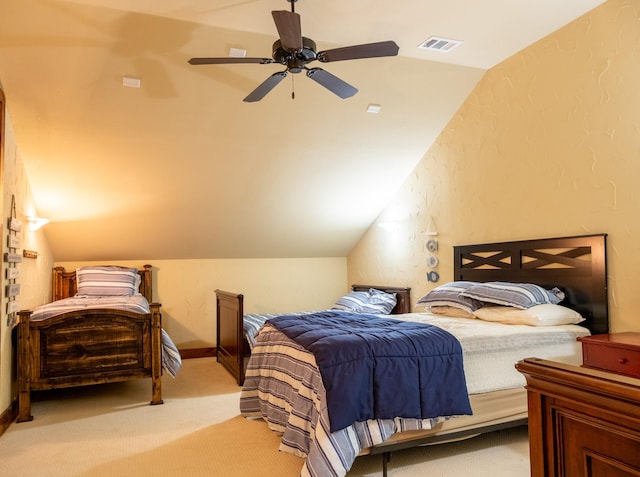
<point x="8" y="416"/>
<point x="197" y="353"/>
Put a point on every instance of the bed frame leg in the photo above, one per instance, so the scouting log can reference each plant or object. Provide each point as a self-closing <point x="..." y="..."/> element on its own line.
<point x="156" y="355"/>
<point x="24" y="367"/>
<point x="386" y="457"/>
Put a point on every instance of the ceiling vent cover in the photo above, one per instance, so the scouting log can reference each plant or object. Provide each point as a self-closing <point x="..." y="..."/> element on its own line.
<point x="439" y="44"/>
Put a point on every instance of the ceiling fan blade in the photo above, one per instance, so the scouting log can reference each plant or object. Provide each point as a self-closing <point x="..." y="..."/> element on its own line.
<point x="228" y="60"/>
<point x="262" y="90"/>
<point x="289" y="29"/>
<point x="368" y="50"/>
<point x="331" y="82"/>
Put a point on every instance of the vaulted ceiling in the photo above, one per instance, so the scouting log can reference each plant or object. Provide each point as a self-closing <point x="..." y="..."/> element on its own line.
<point x="181" y="167"/>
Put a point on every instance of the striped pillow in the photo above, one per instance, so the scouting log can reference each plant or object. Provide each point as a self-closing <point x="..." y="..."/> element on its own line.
<point x="379" y="302"/>
<point x="371" y="301"/>
<point x="450" y="295"/>
<point x="106" y="281"/>
<point x="519" y="295"/>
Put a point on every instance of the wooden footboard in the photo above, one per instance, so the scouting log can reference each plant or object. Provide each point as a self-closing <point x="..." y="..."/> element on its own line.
<point x="231" y="347"/>
<point x="87" y="347"/>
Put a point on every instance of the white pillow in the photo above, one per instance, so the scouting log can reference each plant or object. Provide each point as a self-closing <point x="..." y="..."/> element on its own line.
<point x="539" y="315"/>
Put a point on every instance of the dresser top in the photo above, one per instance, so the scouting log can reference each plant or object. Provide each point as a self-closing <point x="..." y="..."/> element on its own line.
<point x="620" y="340"/>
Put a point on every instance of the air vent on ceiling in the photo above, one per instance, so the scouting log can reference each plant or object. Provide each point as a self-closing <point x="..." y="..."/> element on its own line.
<point x="439" y="44"/>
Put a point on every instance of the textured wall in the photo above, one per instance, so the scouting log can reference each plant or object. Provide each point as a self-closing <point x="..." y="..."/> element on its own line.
<point x="35" y="274"/>
<point x="548" y="144"/>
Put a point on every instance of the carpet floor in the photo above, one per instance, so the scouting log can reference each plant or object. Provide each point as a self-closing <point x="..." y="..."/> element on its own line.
<point x="111" y="431"/>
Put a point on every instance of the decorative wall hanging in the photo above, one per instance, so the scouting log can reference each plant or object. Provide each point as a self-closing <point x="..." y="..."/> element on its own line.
<point x="13" y="259"/>
<point x="432" y="259"/>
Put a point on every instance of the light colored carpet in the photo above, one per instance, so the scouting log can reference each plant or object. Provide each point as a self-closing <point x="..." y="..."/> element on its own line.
<point x="110" y="430"/>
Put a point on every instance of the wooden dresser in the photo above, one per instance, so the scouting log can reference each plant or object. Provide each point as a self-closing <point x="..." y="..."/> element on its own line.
<point x="582" y="421"/>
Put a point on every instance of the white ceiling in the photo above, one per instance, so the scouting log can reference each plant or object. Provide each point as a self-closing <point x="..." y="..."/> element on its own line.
<point x="183" y="168"/>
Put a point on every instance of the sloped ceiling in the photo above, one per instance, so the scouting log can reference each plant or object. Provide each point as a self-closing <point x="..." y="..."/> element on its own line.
<point x="183" y="168"/>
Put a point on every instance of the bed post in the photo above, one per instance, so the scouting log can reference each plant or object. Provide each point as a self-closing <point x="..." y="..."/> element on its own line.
<point x="145" y="287"/>
<point x="24" y="367"/>
<point x="57" y="284"/>
<point x="156" y="354"/>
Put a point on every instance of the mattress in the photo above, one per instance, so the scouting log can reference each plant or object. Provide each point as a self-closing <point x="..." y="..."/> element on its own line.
<point x="490" y="350"/>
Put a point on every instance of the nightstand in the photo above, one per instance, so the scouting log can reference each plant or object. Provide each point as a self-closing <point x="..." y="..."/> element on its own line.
<point x="616" y="352"/>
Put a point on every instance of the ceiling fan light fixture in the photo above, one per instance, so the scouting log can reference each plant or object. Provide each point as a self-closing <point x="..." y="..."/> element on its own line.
<point x="295" y="51"/>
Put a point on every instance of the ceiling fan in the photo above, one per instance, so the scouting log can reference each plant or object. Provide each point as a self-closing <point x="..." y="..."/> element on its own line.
<point x="296" y="51"/>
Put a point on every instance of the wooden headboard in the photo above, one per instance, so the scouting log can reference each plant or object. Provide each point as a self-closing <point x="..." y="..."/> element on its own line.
<point x="65" y="286"/>
<point x="576" y="265"/>
<point x="403" y="295"/>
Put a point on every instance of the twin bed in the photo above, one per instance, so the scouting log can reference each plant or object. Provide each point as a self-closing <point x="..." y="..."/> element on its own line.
<point x="576" y="266"/>
<point x="102" y="326"/>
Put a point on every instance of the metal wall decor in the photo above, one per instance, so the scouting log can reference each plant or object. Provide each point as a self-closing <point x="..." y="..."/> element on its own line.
<point x="432" y="259"/>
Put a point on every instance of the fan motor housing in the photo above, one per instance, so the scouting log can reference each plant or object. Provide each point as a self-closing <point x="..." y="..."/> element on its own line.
<point x="295" y="60"/>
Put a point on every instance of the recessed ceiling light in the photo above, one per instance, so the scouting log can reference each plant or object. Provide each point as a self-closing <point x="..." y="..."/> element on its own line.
<point x="374" y="108"/>
<point x="439" y="44"/>
<point x="237" y="52"/>
<point x="131" y="82"/>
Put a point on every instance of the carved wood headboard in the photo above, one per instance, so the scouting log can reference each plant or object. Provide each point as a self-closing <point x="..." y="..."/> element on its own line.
<point x="64" y="283"/>
<point x="576" y="265"/>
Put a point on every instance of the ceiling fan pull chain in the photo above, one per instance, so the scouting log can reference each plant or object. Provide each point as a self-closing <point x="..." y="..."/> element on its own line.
<point x="293" y="93"/>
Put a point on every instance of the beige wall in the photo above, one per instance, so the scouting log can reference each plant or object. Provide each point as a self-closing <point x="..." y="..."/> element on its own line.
<point x="185" y="288"/>
<point x="548" y="144"/>
<point x="35" y="278"/>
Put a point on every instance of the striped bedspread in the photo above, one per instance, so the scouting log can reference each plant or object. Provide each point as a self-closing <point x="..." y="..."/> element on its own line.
<point x="282" y="377"/>
<point x="135" y="303"/>
<point x="171" y="360"/>
<point x="253" y="322"/>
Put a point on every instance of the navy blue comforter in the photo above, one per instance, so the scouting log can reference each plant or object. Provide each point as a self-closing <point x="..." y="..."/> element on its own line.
<point x="381" y="368"/>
